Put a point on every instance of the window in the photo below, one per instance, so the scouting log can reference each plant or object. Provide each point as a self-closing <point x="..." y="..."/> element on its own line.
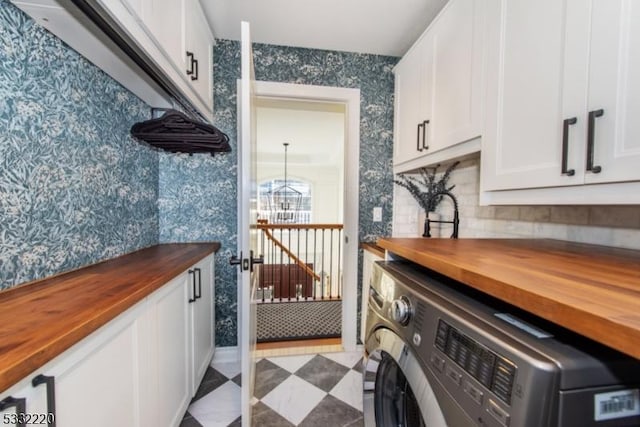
<point x="280" y="203"/>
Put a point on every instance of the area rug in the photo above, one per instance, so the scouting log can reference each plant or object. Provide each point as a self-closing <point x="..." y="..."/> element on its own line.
<point x="287" y="321"/>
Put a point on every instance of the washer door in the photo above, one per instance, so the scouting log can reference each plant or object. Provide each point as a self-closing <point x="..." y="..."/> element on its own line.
<point x="397" y="392"/>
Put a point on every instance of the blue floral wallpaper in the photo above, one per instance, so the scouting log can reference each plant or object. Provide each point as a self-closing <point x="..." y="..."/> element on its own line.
<point x="198" y="194"/>
<point x="74" y="187"/>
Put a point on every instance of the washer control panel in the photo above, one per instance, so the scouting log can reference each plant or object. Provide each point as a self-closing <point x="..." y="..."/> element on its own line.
<point x="493" y="371"/>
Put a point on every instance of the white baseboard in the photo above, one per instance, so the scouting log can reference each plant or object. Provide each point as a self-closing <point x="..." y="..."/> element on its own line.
<point x="226" y="354"/>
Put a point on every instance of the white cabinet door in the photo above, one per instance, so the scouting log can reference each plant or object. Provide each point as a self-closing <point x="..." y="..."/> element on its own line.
<point x="199" y="41"/>
<point x="561" y="102"/>
<point x="536" y="80"/>
<point x="135" y="6"/>
<point x="202" y="320"/>
<point x="169" y="351"/>
<point x="438" y="87"/>
<point x="165" y="20"/>
<point x="455" y="89"/>
<point x="614" y="88"/>
<point x="101" y="388"/>
<point x="413" y="75"/>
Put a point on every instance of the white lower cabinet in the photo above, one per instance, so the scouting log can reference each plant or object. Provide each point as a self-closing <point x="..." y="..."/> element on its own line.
<point x="169" y="383"/>
<point x="202" y="319"/>
<point x="140" y="369"/>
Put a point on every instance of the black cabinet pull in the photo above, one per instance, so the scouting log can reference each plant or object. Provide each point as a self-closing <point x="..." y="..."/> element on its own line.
<point x="199" y="294"/>
<point x="50" y="383"/>
<point x="418" y="147"/>
<point x="591" y="130"/>
<point x="195" y="70"/>
<point x="565" y="145"/>
<point x="424" y="135"/>
<point x="21" y="408"/>
<point x="190" y="59"/>
<point x="193" y="283"/>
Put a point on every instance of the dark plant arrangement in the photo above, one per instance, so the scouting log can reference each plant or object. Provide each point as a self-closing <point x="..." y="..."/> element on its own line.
<point x="422" y="189"/>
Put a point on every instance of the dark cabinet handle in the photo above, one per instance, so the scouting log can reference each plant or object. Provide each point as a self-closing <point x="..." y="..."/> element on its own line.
<point x="50" y="383"/>
<point x="418" y="147"/>
<point x="194" y="67"/>
<point x="591" y="130"/>
<point x="193" y="282"/>
<point x="21" y="408"/>
<point x="565" y="145"/>
<point x="424" y="135"/>
<point x="190" y="59"/>
<point x="199" y="294"/>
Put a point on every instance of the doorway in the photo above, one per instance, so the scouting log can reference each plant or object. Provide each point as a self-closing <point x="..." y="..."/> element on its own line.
<point x="320" y="126"/>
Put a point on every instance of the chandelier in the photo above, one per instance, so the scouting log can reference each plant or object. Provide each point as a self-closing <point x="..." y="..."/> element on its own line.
<point x="284" y="202"/>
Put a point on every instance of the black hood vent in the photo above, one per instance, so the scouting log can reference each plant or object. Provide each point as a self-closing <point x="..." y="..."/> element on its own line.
<point x="177" y="133"/>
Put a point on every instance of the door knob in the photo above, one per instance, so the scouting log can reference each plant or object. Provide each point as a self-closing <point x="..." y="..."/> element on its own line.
<point x="236" y="261"/>
<point x="252" y="260"/>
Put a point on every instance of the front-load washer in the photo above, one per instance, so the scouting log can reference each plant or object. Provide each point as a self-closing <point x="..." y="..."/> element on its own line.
<point x="439" y="353"/>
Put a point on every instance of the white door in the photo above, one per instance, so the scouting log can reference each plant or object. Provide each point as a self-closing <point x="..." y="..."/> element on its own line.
<point x="247" y="218"/>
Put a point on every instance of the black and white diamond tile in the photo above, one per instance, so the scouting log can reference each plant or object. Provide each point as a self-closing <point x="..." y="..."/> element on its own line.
<point x="305" y="390"/>
<point x="321" y="390"/>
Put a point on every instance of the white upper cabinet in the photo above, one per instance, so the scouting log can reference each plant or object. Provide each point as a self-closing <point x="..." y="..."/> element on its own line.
<point x="614" y="88"/>
<point x="198" y="51"/>
<point x="165" y="21"/>
<point x="160" y="31"/>
<point x="438" y="89"/>
<point x="411" y="112"/>
<point x="560" y="98"/>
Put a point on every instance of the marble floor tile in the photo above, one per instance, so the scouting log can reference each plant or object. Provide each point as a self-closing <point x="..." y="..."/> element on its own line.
<point x="212" y="379"/>
<point x="268" y="376"/>
<point x="348" y="359"/>
<point x="349" y="389"/>
<point x="263" y="416"/>
<point x="189" y="421"/>
<point x="333" y="412"/>
<point x="322" y="372"/>
<point x="291" y="363"/>
<point x="228" y="369"/>
<point x="294" y="398"/>
<point x="218" y="408"/>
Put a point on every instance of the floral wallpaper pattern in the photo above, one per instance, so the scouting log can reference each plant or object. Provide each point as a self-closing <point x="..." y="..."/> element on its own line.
<point x="74" y="187"/>
<point x="198" y="194"/>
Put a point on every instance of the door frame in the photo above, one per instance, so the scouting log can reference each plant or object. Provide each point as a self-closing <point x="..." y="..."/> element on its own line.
<point x="350" y="98"/>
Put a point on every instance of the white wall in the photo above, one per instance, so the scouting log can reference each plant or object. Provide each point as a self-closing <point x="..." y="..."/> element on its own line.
<point x="316" y="134"/>
<point x="617" y="226"/>
<point x="326" y="199"/>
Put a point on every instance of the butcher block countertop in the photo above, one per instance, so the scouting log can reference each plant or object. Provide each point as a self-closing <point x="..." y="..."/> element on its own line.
<point x="42" y="319"/>
<point x="592" y="290"/>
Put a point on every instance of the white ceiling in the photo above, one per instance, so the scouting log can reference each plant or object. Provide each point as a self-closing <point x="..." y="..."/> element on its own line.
<point x="382" y="27"/>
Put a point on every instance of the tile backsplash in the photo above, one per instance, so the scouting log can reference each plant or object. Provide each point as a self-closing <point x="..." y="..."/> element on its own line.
<point x="602" y="225"/>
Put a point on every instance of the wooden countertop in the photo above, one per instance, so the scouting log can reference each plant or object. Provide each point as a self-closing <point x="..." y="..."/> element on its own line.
<point x="373" y="248"/>
<point x="42" y="319"/>
<point x="592" y="290"/>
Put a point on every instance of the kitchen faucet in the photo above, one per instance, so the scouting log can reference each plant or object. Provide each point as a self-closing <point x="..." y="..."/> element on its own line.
<point x="455" y="221"/>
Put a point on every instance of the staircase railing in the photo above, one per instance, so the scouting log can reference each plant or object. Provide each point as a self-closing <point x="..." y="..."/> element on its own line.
<point x="302" y="262"/>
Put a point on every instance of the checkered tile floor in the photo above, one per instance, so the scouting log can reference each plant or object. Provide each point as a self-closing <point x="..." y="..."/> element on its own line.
<point x="303" y="390"/>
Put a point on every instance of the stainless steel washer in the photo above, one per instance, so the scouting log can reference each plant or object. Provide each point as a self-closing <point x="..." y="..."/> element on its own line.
<point x="442" y="354"/>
